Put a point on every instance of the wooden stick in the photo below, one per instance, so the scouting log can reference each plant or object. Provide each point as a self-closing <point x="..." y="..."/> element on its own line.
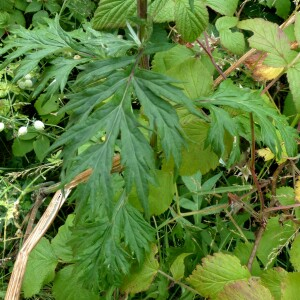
<point x="59" y="198"/>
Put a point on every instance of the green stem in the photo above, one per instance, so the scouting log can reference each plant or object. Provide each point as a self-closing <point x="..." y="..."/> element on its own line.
<point x="178" y="282"/>
<point x="142" y="15"/>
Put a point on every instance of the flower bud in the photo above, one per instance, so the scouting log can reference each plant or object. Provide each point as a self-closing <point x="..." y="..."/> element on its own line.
<point x="39" y="125"/>
<point x="28" y="83"/>
<point x="2" y="126"/>
<point x="22" y="130"/>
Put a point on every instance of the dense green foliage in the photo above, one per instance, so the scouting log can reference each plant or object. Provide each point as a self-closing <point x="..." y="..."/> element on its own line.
<point x="197" y="209"/>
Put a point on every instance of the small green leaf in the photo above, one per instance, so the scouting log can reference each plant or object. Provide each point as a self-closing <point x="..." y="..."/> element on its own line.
<point x="40" y="268"/>
<point x="113" y="13"/>
<point x="283" y="8"/>
<point x="141" y="277"/>
<point x="216" y="272"/>
<point x="166" y="60"/>
<point x="33" y="6"/>
<point x="196" y="157"/>
<point x="41" y="146"/>
<point x="160" y="194"/>
<point x="46" y="106"/>
<point x="178" y="267"/>
<point x="273" y="240"/>
<point x="190" y="24"/>
<point x="233" y="41"/>
<point x="60" y="242"/>
<point x="4" y="19"/>
<point x="272" y="279"/>
<point x="224" y="7"/>
<point x="285" y="195"/>
<point x="241" y="289"/>
<point x="243" y="251"/>
<point x="162" y="11"/>
<point x="67" y="286"/>
<point x="295" y="253"/>
<point x="39" y="18"/>
<point x="22" y="147"/>
<point x="194" y="83"/>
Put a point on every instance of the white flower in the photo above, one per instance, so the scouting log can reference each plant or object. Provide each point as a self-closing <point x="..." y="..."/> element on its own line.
<point x="2" y="126"/>
<point x="28" y="76"/>
<point x="39" y="125"/>
<point x="22" y="130"/>
<point x="28" y="83"/>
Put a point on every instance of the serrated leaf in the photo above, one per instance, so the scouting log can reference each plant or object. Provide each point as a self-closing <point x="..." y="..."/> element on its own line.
<point x="60" y="242"/>
<point x="160" y="113"/>
<point x="190" y="23"/>
<point x="233" y="41"/>
<point x="141" y="277"/>
<point x="138" y="171"/>
<point x="295" y="253"/>
<point x="177" y="268"/>
<point x="246" y="290"/>
<point x="162" y="11"/>
<point x="224" y="7"/>
<point x="221" y="121"/>
<point x="113" y="246"/>
<point x="41" y="146"/>
<point x="138" y="232"/>
<point x="290" y="286"/>
<point x="216" y="272"/>
<point x="251" y="101"/>
<point x="58" y="73"/>
<point x="113" y="13"/>
<point x="273" y="240"/>
<point x="272" y="279"/>
<point x="39" y="43"/>
<point x="67" y="286"/>
<point x="270" y="38"/>
<point x="40" y="268"/>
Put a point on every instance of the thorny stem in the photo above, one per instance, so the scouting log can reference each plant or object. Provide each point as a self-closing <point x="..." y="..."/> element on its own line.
<point x="142" y="15"/>
<point x="206" y="48"/>
<point x="252" y="166"/>
<point x="275" y="176"/>
<point x="255" y="247"/>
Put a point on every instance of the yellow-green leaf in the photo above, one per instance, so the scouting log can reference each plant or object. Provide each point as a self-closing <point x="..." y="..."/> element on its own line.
<point x="215" y="272"/>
